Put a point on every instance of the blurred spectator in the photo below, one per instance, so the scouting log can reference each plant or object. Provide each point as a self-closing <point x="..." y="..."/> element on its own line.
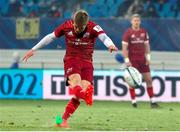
<point x="151" y="12"/>
<point x="32" y="14"/>
<point x="14" y="8"/>
<point x="15" y="61"/>
<point x="161" y="4"/>
<point x="137" y="8"/>
<point x="3" y="7"/>
<point x="96" y="8"/>
<point x="176" y="8"/>
<point x="43" y="8"/>
<point x="123" y="8"/>
<point x="54" y="12"/>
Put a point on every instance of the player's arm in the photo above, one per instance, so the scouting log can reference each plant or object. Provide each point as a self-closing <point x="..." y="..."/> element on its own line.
<point x="43" y="42"/>
<point x="99" y="32"/>
<point x="107" y="42"/>
<point x="147" y="50"/>
<point x="125" y="52"/>
<point x="58" y="32"/>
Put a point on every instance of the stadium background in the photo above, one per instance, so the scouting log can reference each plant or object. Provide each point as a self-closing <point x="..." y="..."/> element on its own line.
<point x="24" y="22"/>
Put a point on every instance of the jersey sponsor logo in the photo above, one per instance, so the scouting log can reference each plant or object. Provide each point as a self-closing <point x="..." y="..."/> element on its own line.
<point x="98" y="28"/>
<point x="70" y="33"/>
<point x="137" y="41"/>
<point x="86" y="35"/>
<point x="81" y="43"/>
<point x="78" y="42"/>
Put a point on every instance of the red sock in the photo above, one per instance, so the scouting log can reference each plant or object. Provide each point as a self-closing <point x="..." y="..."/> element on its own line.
<point x="78" y="92"/>
<point x="132" y="93"/>
<point x="70" y="108"/>
<point x="150" y="92"/>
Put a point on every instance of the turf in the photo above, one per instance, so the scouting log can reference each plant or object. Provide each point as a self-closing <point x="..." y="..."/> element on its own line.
<point x="104" y="115"/>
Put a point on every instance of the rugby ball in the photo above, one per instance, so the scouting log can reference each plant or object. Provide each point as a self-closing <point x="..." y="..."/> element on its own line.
<point x="133" y="77"/>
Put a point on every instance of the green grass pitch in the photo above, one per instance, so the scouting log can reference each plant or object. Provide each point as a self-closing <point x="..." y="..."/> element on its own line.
<point x="104" y="115"/>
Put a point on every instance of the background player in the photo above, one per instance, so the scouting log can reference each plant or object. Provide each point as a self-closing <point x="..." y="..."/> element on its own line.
<point x="80" y="35"/>
<point x="136" y="51"/>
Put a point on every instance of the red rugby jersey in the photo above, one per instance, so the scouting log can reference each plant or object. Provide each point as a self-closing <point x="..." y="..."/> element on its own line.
<point x="79" y="45"/>
<point x="136" y="40"/>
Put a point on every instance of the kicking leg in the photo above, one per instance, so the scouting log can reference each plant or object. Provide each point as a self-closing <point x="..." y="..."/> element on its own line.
<point x="89" y="90"/>
<point x="71" y="107"/>
<point x="75" y="84"/>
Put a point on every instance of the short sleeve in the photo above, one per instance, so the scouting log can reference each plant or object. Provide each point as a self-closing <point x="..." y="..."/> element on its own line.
<point x="59" y="31"/>
<point x="125" y="38"/>
<point x="146" y="40"/>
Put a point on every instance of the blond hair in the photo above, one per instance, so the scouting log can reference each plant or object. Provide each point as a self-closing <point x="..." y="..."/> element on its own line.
<point x="135" y="15"/>
<point x="81" y="17"/>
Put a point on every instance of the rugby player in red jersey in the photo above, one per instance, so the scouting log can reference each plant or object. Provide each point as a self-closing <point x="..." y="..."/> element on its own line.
<point x="80" y="35"/>
<point x="136" y="51"/>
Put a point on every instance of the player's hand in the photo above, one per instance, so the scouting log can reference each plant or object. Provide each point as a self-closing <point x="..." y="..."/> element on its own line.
<point x="112" y="48"/>
<point x="28" y="55"/>
<point x="148" y="62"/>
<point x="128" y="64"/>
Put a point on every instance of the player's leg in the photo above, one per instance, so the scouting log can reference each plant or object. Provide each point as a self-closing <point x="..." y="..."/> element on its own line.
<point x="148" y="80"/>
<point x="72" y="69"/>
<point x="87" y="78"/>
<point x="89" y="90"/>
<point x="133" y="96"/>
<point x="75" y="83"/>
<point x="85" y="94"/>
<point x="71" y="107"/>
<point x="145" y="70"/>
<point x="72" y="72"/>
<point x="76" y="86"/>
